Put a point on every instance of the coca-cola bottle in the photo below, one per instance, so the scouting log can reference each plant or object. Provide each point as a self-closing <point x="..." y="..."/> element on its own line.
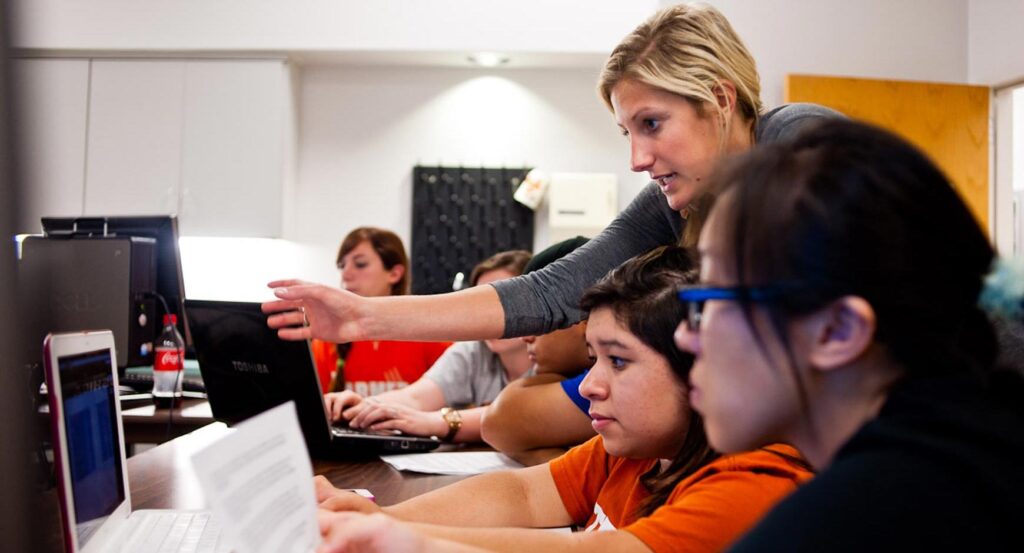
<point x="168" y="364"/>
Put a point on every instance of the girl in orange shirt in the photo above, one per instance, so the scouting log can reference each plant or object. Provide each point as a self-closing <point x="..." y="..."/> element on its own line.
<point x="373" y="263"/>
<point x="648" y="481"/>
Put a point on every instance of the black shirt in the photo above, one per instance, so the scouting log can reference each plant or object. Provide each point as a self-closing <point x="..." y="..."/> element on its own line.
<point x="940" y="469"/>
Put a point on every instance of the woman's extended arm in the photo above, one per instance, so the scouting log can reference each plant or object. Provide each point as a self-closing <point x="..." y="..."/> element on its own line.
<point x="380" y="533"/>
<point x="383" y="534"/>
<point x="548" y="299"/>
<point x="524" y="498"/>
<point x="530" y="304"/>
<point x="520" y="422"/>
<point x="306" y="310"/>
<point x="387" y="416"/>
<point x="530" y="539"/>
<point x="422" y="395"/>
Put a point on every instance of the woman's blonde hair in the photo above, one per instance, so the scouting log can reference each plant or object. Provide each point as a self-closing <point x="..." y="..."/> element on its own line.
<point x="688" y="49"/>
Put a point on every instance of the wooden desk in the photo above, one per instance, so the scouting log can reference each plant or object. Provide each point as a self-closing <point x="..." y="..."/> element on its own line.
<point x="388" y="485"/>
<point x="148" y="424"/>
<point x="162" y="477"/>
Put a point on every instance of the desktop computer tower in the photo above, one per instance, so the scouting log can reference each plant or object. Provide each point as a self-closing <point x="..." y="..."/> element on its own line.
<point x="86" y="283"/>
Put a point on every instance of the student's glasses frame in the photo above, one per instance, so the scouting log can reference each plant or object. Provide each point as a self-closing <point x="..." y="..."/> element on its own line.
<point x="694" y="298"/>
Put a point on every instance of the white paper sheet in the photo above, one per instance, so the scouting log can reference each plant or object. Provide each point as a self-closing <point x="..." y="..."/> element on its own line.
<point x="259" y="481"/>
<point x="455" y="463"/>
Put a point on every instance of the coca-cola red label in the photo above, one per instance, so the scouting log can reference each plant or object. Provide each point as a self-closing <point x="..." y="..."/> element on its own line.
<point x="168" y="360"/>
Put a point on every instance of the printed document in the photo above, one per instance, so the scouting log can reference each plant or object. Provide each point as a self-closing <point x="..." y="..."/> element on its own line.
<point x="259" y="481"/>
<point x="455" y="463"/>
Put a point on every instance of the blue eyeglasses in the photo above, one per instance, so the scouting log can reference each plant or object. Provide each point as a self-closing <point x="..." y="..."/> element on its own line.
<point x="695" y="296"/>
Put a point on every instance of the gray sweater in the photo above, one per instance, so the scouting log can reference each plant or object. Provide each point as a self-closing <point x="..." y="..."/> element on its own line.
<point x="548" y="299"/>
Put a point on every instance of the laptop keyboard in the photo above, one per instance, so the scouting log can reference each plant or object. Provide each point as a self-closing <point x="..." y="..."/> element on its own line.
<point x="176" y="532"/>
<point x="346" y="431"/>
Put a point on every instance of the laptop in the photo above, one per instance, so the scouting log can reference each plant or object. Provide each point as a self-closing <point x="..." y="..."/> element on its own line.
<point x="89" y="458"/>
<point x="247" y="369"/>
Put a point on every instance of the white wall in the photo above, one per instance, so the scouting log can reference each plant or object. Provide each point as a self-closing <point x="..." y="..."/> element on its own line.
<point x="1008" y="189"/>
<point x="996" y="43"/>
<point x="325" y="25"/>
<point x="1017" y="146"/>
<point x="238" y="269"/>
<point x="996" y="58"/>
<point x="362" y="130"/>
<point x="923" y="40"/>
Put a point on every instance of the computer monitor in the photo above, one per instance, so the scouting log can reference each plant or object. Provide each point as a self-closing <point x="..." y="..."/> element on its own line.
<point x="162" y="228"/>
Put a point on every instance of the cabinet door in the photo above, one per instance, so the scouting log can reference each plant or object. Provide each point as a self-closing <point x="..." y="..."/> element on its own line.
<point x="134" y="138"/>
<point x="234" y="140"/>
<point x="52" y="101"/>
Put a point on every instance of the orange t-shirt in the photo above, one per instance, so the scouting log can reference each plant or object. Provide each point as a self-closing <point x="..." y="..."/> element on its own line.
<point x="375" y="366"/>
<point x="706" y="511"/>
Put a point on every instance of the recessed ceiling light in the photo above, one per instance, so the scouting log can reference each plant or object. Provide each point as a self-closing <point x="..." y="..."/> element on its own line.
<point x="488" y="59"/>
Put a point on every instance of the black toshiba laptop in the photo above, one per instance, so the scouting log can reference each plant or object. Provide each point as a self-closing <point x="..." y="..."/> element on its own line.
<point x="247" y="369"/>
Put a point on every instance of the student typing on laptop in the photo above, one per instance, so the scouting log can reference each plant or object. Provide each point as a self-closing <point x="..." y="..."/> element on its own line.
<point x="649" y="481"/>
<point x="518" y="422"/>
<point x="247" y="369"/>
<point x="373" y="263"/>
<point x="447" y="401"/>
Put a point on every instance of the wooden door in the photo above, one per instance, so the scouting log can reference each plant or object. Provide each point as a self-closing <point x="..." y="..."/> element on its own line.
<point x="949" y="122"/>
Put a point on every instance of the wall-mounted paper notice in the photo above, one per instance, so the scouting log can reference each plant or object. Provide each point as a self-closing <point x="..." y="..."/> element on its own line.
<point x="258" y="480"/>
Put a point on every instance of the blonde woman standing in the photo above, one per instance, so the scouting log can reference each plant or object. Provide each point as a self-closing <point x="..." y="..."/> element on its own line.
<point x="685" y="92"/>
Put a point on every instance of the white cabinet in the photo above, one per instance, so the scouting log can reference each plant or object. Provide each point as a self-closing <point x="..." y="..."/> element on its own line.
<point x="234" y="147"/>
<point x="206" y="139"/>
<point x="581" y="204"/>
<point x="51" y="107"/>
<point x="135" y="137"/>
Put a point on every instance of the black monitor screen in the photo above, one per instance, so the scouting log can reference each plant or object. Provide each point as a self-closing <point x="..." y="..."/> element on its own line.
<point x="90" y="425"/>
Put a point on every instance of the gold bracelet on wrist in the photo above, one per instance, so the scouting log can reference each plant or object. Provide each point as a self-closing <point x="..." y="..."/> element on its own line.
<point x="454" y="420"/>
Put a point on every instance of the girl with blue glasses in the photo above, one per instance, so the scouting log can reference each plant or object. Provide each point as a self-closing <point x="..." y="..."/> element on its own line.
<point x="839" y="313"/>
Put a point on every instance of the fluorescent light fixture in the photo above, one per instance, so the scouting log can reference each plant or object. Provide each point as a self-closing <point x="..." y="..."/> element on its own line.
<point x="488" y="59"/>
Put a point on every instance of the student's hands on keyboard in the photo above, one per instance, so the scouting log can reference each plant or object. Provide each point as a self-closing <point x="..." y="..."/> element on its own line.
<point x="382" y="415"/>
<point x="337" y="403"/>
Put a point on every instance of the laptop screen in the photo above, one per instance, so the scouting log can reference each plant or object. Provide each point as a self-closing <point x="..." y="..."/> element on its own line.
<point x="92" y="439"/>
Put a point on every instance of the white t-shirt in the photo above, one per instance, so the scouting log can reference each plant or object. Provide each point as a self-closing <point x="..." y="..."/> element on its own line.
<point x="468" y="374"/>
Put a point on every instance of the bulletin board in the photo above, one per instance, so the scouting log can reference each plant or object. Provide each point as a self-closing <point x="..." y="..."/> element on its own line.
<point x="461" y="216"/>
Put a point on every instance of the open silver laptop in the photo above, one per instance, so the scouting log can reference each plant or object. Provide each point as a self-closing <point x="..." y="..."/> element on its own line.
<point x="89" y="454"/>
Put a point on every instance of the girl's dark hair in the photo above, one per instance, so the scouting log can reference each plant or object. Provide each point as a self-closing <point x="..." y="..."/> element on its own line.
<point x="850" y="209"/>
<point x="392" y="252"/>
<point x="642" y="295"/>
<point x="388" y="246"/>
<point x="513" y="261"/>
